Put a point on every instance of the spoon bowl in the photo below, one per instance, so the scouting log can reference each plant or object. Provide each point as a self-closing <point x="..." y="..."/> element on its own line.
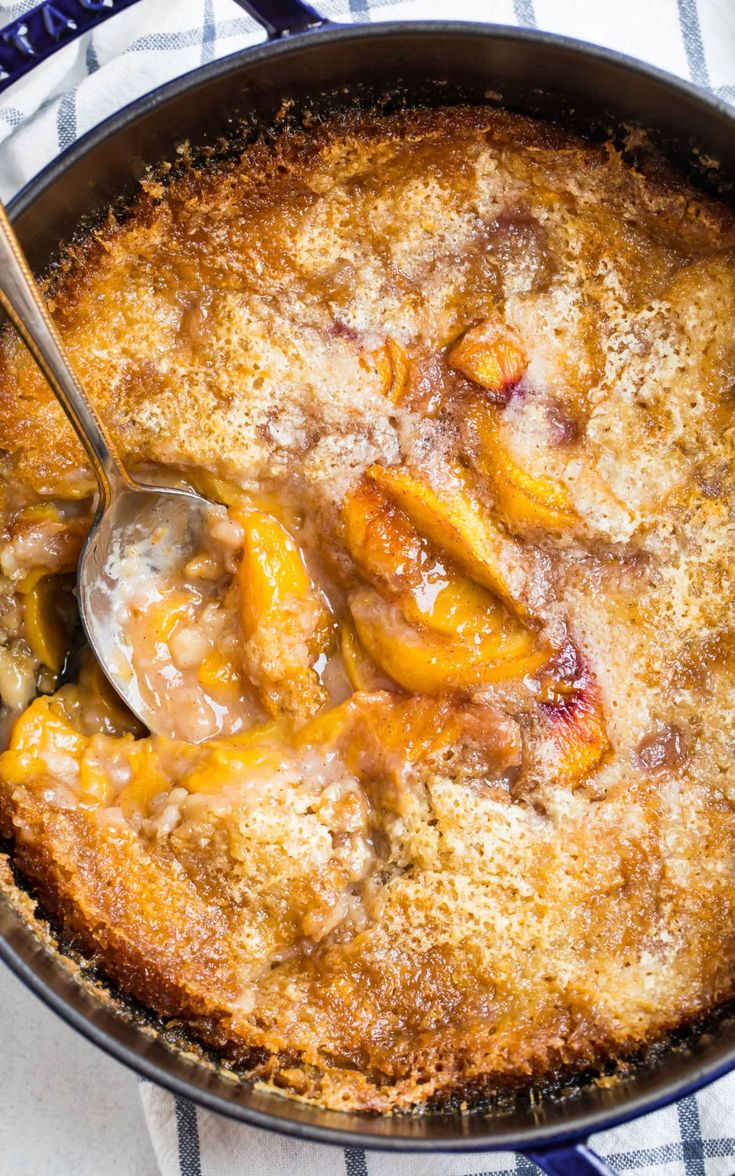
<point x="137" y="544"/>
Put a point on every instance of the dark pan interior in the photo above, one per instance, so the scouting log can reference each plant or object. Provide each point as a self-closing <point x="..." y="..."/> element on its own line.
<point x="385" y="66"/>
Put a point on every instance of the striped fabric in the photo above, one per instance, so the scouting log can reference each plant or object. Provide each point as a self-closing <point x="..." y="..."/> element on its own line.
<point x="160" y="39"/>
<point x="695" y="1137"/>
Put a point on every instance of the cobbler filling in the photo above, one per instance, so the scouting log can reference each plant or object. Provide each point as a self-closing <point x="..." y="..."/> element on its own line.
<point x="442" y="798"/>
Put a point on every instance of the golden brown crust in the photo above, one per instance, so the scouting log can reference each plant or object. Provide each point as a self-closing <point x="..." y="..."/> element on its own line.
<point x="152" y="268"/>
<point x="567" y="896"/>
<point x="150" y="932"/>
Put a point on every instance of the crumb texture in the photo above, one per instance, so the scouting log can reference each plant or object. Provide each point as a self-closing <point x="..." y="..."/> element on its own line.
<point x="471" y="819"/>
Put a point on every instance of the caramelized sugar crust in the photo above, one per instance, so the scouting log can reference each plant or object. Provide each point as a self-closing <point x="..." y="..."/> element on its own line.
<point x="465" y="387"/>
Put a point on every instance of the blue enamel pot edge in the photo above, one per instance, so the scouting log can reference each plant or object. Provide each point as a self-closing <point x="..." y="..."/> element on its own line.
<point x="303" y="56"/>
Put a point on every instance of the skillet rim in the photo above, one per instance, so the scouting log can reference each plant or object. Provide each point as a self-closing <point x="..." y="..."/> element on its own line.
<point x="579" y="1126"/>
<point x="324" y="34"/>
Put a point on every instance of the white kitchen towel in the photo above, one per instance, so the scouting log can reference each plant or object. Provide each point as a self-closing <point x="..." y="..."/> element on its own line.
<point x="150" y="43"/>
<point x="694" y="1137"/>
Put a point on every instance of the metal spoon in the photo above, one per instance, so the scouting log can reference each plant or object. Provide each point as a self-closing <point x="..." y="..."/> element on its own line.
<point x="158" y="527"/>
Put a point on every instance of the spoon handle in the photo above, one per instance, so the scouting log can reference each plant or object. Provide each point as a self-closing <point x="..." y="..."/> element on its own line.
<point x="23" y="302"/>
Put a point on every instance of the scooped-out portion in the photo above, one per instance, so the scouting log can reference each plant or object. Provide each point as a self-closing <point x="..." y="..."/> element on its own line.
<point x="443" y="804"/>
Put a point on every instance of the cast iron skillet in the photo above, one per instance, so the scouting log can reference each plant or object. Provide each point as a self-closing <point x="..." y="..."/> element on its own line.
<point x="310" y="60"/>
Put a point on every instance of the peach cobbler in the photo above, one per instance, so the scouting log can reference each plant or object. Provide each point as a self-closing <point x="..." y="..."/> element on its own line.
<point x="445" y="802"/>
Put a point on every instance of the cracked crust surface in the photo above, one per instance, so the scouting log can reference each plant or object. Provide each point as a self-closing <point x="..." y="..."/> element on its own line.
<point x="449" y="920"/>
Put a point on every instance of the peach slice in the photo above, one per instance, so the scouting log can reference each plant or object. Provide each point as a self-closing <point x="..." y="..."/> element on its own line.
<point x="393" y="556"/>
<point x="44" y="743"/>
<point x="257" y="752"/>
<point x="383" y="543"/>
<point x="330" y="728"/>
<point x="284" y="621"/>
<point x="391" y="366"/>
<point x="489" y="355"/>
<point x="575" y="720"/>
<point x="271" y="569"/>
<point x="415" y="729"/>
<point x="41" y="730"/>
<point x="47" y="615"/>
<point x="396" y="733"/>
<point x="399" y="370"/>
<point x="455" y="521"/>
<point x="578" y="731"/>
<point x="218" y="489"/>
<point x="379" y="734"/>
<point x="429" y="663"/>
<point x="361" y="670"/>
<point x="214" y="488"/>
<point x="457" y="607"/>
<point x="521" y="498"/>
